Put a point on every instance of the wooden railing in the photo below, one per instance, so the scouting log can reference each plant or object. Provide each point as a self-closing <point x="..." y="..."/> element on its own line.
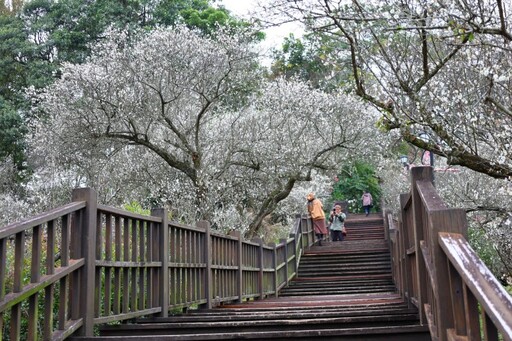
<point x="88" y="264"/>
<point x="435" y="269"/>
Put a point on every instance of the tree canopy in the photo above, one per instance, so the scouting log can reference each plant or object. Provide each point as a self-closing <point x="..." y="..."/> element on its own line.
<point x="429" y="67"/>
<point x="439" y="74"/>
<point x="164" y="102"/>
<point x="37" y="36"/>
<point x="204" y="110"/>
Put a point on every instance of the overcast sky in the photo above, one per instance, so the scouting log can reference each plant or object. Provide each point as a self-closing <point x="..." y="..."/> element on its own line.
<point x="239" y="7"/>
<point x="275" y="35"/>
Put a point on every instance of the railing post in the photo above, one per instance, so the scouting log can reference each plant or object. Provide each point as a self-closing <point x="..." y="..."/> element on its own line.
<point x="296" y="256"/>
<point x="397" y="260"/>
<point x="88" y="252"/>
<point x="163" y="245"/>
<point x="239" y="279"/>
<point x="208" y="285"/>
<point x="284" y="241"/>
<point x="448" y="293"/>
<point x="274" y="265"/>
<point x="406" y="266"/>
<point x="310" y="231"/>
<point x="304" y="228"/>
<point x="297" y="235"/>
<point x="260" y="264"/>
<point x="418" y="174"/>
<point x="385" y="213"/>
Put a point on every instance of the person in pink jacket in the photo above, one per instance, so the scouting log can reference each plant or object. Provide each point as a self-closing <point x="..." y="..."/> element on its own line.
<point x="367" y="202"/>
<point x="316" y="210"/>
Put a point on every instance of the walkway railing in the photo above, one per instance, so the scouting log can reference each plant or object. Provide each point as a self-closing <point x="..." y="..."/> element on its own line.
<point x="85" y="264"/>
<point x="435" y="269"/>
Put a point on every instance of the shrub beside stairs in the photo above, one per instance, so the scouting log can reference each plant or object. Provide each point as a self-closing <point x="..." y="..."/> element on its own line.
<point x="343" y="291"/>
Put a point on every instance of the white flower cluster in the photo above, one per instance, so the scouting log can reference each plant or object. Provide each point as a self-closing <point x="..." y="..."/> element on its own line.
<point x="174" y="118"/>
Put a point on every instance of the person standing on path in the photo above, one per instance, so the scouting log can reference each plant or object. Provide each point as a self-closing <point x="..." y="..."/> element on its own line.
<point x="367" y="202"/>
<point x="337" y="220"/>
<point x="316" y="211"/>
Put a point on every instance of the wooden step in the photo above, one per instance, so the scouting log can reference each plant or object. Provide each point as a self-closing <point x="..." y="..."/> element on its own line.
<point x="213" y="315"/>
<point x="260" y="325"/>
<point x="396" y="333"/>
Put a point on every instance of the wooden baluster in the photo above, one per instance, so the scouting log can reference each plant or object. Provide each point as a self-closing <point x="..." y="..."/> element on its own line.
<point x="3" y="262"/>
<point x="107" y="287"/>
<point x="19" y="253"/>
<point x="142" y="258"/>
<point x="35" y="268"/>
<point x="163" y="247"/>
<point x="133" y="279"/>
<point x="207" y="252"/>
<point x="259" y="256"/>
<point x="64" y="282"/>
<point x="126" y="271"/>
<point x="49" y="290"/>
<point x="406" y="238"/>
<point x="489" y="329"/>
<point x="284" y="242"/>
<point x="238" y="262"/>
<point x="97" y="272"/>
<point x="275" y="266"/>
<point x="117" y="271"/>
<point x="471" y="315"/>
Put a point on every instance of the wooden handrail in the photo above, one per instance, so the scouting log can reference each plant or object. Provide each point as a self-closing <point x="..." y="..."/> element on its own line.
<point x="435" y="269"/>
<point x="63" y="270"/>
<point x="494" y="299"/>
<point x="144" y="265"/>
<point x="147" y="265"/>
<point x="14" y="228"/>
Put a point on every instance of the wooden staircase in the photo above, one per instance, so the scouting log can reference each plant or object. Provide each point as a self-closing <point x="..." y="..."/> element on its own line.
<point x="343" y="291"/>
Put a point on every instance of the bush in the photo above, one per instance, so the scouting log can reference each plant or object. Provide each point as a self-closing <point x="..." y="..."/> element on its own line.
<point x="353" y="179"/>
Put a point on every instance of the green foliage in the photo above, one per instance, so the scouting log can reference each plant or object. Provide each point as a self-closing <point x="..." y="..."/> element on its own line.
<point x="14" y="7"/>
<point x="313" y="58"/>
<point x="205" y="20"/>
<point x="21" y="66"/>
<point x="169" y="12"/>
<point x="484" y="248"/>
<point x="136" y="207"/>
<point x="401" y="148"/>
<point x="12" y="131"/>
<point x="353" y="179"/>
<point x="46" y="33"/>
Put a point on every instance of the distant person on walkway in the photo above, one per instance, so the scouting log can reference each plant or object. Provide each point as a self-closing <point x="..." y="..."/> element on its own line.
<point x="316" y="210"/>
<point x="337" y="220"/>
<point x="367" y="202"/>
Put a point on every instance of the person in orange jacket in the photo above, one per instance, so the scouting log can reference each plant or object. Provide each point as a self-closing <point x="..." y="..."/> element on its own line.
<point x="316" y="211"/>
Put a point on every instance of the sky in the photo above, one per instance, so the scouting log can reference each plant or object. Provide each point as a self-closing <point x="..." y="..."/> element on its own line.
<point x="274" y="35"/>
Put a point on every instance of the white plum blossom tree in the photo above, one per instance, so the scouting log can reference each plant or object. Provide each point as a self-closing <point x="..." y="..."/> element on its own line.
<point x="435" y="67"/>
<point x="287" y="132"/>
<point x="193" y="118"/>
<point x="440" y="68"/>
